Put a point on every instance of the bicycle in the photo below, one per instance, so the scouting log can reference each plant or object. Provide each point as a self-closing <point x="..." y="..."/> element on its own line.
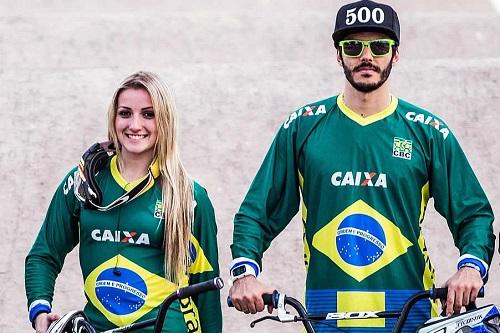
<point x="76" y="321"/>
<point x="485" y="319"/>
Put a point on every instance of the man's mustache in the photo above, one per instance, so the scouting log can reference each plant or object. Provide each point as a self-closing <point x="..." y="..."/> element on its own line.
<point x="366" y="65"/>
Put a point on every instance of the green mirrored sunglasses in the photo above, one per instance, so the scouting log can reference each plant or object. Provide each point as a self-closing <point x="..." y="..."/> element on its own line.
<point x="355" y="48"/>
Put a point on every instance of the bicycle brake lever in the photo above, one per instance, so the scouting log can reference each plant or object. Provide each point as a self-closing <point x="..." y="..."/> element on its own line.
<point x="283" y="315"/>
<point x="275" y="318"/>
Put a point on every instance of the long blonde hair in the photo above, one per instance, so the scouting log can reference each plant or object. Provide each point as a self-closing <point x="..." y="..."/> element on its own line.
<point x="177" y="187"/>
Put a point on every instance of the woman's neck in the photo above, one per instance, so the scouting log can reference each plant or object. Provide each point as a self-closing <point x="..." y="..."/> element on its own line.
<point x="132" y="167"/>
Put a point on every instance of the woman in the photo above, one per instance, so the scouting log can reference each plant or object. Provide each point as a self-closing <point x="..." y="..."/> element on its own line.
<point x="143" y="226"/>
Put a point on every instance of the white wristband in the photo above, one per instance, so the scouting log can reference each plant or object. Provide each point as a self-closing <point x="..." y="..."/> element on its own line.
<point x="241" y="271"/>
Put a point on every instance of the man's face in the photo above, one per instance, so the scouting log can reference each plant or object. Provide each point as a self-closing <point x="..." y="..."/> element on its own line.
<point x="367" y="73"/>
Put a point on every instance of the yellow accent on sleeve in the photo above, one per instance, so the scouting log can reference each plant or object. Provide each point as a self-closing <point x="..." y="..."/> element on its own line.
<point x="191" y="315"/>
<point x="429" y="275"/>
<point x="307" y="251"/>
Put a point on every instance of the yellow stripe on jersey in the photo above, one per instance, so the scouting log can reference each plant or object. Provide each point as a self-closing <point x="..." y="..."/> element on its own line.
<point x="189" y="311"/>
<point x="191" y="315"/>
<point x="356" y="301"/>
<point x="429" y="275"/>
<point x="307" y="252"/>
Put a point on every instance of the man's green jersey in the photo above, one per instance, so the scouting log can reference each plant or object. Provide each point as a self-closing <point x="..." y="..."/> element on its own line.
<point x="363" y="184"/>
<point x="122" y="256"/>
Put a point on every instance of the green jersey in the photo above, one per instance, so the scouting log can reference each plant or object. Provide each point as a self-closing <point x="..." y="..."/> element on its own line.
<point x="122" y="257"/>
<point x="363" y="185"/>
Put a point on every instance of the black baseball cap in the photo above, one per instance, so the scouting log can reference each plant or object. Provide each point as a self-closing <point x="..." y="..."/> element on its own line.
<point x="366" y="15"/>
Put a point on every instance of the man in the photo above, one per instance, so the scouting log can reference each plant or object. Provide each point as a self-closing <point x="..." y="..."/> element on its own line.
<point x="363" y="165"/>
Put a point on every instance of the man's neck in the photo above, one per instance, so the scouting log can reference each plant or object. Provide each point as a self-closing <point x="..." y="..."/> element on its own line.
<point x="367" y="104"/>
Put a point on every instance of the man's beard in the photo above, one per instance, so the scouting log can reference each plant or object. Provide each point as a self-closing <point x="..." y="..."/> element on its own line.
<point x="367" y="87"/>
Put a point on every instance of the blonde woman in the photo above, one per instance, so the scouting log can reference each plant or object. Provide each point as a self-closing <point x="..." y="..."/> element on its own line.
<point x="142" y="225"/>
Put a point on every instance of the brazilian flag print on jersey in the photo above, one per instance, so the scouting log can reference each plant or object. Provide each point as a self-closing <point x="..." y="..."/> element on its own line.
<point x="361" y="241"/>
<point x="363" y="184"/>
<point x="125" y="297"/>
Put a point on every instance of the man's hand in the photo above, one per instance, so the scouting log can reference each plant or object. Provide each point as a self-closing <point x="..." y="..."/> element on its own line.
<point x="246" y="295"/>
<point x="43" y="321"/>
<point x="463" y="288"/>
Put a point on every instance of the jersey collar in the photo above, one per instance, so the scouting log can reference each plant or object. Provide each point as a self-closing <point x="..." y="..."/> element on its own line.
<point x="363" y="121"/>
<point x="155" y="169"/>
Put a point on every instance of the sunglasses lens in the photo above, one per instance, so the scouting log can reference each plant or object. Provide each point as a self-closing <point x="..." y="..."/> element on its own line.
<point x="352" y="48"/>
<point x="380" y="47"/>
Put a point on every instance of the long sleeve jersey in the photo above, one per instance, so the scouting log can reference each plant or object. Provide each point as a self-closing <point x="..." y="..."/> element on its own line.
<point x="363" y="185"/>
<point x="122" y="256"/>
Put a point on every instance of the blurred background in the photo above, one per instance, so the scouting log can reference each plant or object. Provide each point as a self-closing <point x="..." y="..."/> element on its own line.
<point x="237" y="69"/>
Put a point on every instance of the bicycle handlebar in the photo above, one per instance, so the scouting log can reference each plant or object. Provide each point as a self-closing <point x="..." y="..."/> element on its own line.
<point x="434" y="293"/>
<point x="193" y="290"/>
<point x="185" y="292"/>
<point x="278" y="300"/>
<point x="199" y="288"/>
<point x="442" y="293"/>
<point x="269" y="299"/>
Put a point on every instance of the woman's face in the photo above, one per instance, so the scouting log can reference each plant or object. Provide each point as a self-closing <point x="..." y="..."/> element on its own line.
<point x="135" y="124"/>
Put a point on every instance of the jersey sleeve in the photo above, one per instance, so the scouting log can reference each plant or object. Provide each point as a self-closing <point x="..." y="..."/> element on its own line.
<point x="271" y="201"/>
<point x="205" y="264"/>
<point x="56" y="238"/>
<point x="458" y="197"/>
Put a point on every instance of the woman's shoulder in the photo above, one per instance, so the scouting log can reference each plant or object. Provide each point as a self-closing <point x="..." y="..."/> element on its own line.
<point x="199" y="191"/>
<point x="201" y="198"/>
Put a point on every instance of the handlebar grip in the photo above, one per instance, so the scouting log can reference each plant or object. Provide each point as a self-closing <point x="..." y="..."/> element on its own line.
<point x="442" y="293"/>
<point x="269" y="299"/>
<point x="198" y="288"/>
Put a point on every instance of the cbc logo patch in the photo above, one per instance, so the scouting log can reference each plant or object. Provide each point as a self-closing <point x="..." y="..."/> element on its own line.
<point x="402" y="148"/>
<point x="360" y="240"/>
<point x="123" y="294"/>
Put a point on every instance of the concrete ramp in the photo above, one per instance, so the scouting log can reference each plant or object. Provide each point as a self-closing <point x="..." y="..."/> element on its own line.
<point x="237" y="69"/>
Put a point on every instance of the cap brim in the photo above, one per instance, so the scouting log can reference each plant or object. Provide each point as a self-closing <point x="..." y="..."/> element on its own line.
<point x="341" y="33"/>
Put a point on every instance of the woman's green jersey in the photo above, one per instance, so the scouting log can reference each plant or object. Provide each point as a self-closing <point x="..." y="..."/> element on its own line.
<point x="122" y="257"/>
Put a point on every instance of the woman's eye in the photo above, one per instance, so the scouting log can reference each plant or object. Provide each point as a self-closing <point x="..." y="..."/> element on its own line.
<point x="124" y="113"/>
<point x="149" y="115"/>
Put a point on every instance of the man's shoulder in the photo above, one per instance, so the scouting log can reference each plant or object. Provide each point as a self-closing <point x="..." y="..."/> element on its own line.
<point x="406" y="107"/>
<point x="417" y="116"/>
<point x="311" y="112"/>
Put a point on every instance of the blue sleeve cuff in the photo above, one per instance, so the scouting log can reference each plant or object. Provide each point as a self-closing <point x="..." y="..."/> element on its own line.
<point x="473" y="262"/>
<point x="37" y="308"/>
<point x="245" y="261"/>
